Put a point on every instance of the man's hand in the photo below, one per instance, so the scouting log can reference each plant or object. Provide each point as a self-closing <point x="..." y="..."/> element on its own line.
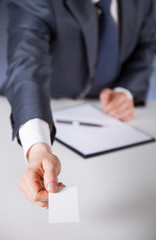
<point x="41" y="175"/>
<point x="117" y="104"/>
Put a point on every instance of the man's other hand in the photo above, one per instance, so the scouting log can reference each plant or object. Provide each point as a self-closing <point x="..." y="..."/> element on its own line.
<point x="117" y="104"/>
<point x="41" y="175"/>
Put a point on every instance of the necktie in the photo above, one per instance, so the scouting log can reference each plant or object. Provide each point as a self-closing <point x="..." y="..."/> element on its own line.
<point x="108" y="46"/>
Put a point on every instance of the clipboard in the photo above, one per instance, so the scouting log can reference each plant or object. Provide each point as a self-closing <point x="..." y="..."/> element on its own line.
<point x="106" y="135"/>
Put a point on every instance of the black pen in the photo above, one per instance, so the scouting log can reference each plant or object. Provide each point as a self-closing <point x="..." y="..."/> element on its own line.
<point x="77" y="123"/>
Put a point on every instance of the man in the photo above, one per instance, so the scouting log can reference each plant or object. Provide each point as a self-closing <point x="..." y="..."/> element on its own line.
<point x="72" y="48"/>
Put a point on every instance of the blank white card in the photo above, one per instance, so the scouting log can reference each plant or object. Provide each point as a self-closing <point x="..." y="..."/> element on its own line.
<point x="63" y="206"/>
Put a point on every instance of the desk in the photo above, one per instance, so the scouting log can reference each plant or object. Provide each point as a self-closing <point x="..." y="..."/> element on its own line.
<point x="117" y="191"/>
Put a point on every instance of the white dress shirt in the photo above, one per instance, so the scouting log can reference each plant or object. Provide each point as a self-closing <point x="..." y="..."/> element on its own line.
<point x="37" y="130"/>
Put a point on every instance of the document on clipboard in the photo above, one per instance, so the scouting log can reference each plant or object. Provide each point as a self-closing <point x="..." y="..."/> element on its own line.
<point x="88" y="131"/>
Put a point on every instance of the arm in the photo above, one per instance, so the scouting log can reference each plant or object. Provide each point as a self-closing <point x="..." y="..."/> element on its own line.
<point x="134" y="75"/>
<point x="29" y="64"/>
<point x="43" y="167"/>
<point x="135" y="72"/>
<point x="28" y="91"/>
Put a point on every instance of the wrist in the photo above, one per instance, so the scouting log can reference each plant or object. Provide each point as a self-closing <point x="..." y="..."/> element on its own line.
<point x="37" y="150"/>
<point x="34" y="131"/>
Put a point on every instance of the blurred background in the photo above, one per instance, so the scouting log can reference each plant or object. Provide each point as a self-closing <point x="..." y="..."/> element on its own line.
<point x="3" y="50"/>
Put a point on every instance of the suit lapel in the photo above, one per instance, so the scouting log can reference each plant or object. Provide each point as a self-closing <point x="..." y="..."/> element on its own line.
<point x="127" y="20"/>
<point x="85" y="14"/>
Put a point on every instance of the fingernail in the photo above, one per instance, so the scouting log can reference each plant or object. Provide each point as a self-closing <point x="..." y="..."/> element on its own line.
<point x="52" y="187"/>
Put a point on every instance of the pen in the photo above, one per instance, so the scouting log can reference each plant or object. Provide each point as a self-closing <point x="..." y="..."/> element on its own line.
<point x="76" y="123"/>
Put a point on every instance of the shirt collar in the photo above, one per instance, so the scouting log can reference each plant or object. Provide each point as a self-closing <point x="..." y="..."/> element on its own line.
<point x="95" y="1"/>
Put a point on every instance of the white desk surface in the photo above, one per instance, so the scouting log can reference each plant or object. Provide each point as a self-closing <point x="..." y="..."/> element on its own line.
<point x="117" y="191"/>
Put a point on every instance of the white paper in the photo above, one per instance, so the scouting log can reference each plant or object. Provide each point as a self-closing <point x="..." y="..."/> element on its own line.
<point x="63" y="206"/>
<point x="91" y="140"/>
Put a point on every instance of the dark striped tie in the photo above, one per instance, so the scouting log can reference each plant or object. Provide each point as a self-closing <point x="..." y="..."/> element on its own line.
<point x="108" y="46"/>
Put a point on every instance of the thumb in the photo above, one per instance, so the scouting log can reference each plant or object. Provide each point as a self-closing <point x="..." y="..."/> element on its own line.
<point x="50" y="176"/>
<point x="105" y="96"/>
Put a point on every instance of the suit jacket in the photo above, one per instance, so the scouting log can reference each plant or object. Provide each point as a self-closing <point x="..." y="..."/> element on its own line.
<point x="52" y="51"/>
<point x="154" y="14"/>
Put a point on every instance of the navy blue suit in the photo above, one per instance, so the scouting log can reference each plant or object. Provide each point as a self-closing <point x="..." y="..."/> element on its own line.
<point x="53" y="53"/>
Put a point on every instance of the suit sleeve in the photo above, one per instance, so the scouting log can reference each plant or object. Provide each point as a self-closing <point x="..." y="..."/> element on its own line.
<point x="28" y="86"/>
<point x="135" y="72"/>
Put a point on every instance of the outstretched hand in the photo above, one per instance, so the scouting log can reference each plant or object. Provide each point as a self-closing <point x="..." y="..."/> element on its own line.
<point x="41" y="175"/>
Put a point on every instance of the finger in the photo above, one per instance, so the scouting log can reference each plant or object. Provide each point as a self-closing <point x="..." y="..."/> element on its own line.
<point x="42" y="204"/>
<point x="60" y="184"/>
<point x="31" y="196"/>
<point x="125" y="116"/>
<point x="34" y="186"/>
<point x="105" y="96"/>
<point x="50" y="176"/>
<point x="116" y="101"/>
<point x="24" y="192"/>
<point x="121" y="108"/>
<point x="43" y="200"/>
<point x="31" y="187"/>
<point x="127" y="105"/>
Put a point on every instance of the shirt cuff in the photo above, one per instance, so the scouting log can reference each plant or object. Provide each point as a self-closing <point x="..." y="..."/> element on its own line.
<point x="124" y="90"/>
<point x="34" y="131"/>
